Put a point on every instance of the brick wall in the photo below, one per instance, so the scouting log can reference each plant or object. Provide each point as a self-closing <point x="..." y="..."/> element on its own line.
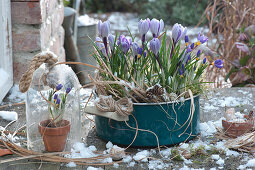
<point x="36" y="26"/>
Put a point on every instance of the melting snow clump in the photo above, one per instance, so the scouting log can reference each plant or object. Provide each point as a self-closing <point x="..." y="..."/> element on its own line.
<point x="8" y="115"/>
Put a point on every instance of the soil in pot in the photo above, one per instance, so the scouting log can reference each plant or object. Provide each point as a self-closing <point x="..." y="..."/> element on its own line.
<point x="54" y="138"/>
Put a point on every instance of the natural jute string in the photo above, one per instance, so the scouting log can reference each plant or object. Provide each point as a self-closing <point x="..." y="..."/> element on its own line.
<point x="123" y="106"/>
<point x="43" y="57"/>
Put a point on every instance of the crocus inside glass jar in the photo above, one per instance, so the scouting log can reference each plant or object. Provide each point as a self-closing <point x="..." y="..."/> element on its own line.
<point x="52" y="102"/>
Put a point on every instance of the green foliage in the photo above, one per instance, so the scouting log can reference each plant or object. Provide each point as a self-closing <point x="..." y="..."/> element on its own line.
<point x="171" y="11"/>
<point x="175" y="155"/>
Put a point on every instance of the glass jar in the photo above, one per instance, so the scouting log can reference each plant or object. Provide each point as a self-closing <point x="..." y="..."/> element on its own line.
<point x="49" y="107"/>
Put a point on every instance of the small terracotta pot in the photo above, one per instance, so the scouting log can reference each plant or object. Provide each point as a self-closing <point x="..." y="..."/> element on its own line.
<point x="54" y="138"/>
<point x="234" y="129"/>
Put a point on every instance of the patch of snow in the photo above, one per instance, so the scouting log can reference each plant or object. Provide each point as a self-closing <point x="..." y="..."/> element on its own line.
<point x="215" y="157"/>
<point x="127" y="159"/>
<point x="208" y="128"/>
<point x="251" y="163"/>
<point x="131" y="164"/>
<point x="166" y="153"/>
<point x="85" y="20"/>
<point x="220" y="162"/>
<point x="141" y="156"/>
<point x="71" y="165"/>
<point x="93" y="168"/>
<point x="107" y="160"/>
<point x="79" y="150"/>
<point x="116" y="165"/>
<point x="109" y="145"/>
<point x="15" y="95"/>
<point x="157" y="164"/>
<point x="209" y="107"/>
<point x="232" y="153"/>
<point x="8" y="115"/>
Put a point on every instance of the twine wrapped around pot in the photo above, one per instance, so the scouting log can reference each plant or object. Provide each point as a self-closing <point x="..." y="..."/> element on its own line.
<point x="123" y="106"/>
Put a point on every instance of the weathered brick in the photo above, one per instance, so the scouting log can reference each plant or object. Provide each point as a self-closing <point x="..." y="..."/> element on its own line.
<point x="51" y="7"/>
<point x="25" y="39"/>
<point x="26" y="12"/>
<point x="21" y="61"/>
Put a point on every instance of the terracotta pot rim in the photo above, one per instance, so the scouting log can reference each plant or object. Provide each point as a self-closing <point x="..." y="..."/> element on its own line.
<point x="68" y="123"/>
<point x="240" y="123"/>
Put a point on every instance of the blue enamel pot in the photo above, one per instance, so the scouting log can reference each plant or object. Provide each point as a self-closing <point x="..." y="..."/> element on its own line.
<point x="171" y="122"/>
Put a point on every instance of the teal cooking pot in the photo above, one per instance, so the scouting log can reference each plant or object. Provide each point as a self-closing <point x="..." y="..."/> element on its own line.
<point x="172" y="122"/>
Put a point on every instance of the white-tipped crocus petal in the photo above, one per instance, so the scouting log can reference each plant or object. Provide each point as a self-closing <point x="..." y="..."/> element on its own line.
<point x="155" y="45"/>
<point x="143" y="26"/>
<point x="161" y="27"/>
<point x="154" y="27"/>
<point x="111" y="39"/>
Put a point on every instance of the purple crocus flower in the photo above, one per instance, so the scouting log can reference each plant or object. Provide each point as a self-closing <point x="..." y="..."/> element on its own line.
<point x="204" y="60"/>
<point x="243" y="47"/>
<point x="68" y="90"/>
<point x="181" y="71"/>
<point x="189" y="49"/>
<point x="59" y="86"/>
<point x="144" y="54"/>
<point x="143" y="28"/>
<point x="198" y="53"/>
<point x="218" y="63"/>
<point x="101" y="46"/>
<point x="125" y="43"/>
<point x="178" y="32"/>
<point x="155" y="46"/>
<point x="135" y="46"/>
<point x="192" y="46"/>
<point x="186" y="40"/>
<point x="103" y="28"/>
<point x="55" y="97"/>
<point x="58" y="101"/>
<point x="201" y="39"/>
<point x="139" y="52"/>
<point x="156" y="27"/>
<point x="243" y="37"/>
<point x="111" y="39"/>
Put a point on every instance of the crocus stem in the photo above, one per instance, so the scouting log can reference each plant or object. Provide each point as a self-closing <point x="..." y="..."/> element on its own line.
<point x="172" y="50"/>
<point x="105" y="45"/>
<point x="157" y="58"/>
<point x="143" y="40"/>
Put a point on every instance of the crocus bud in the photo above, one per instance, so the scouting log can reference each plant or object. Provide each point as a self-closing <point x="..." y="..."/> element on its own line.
<point x="198" y="53"/>
<point x="243" y="37"/>
<point x="218" y="63"/>
<point x="55" y="97"/>
<point x="204" y="60"/>
<point x="111" y="39"/>
<point x="155" y="45"/>
<point x="178" y="32"/>
<point x="58" y="87"/>
<point x="243" y="47"/>
<point x="201" y="39"/>
<point x="139" y="52"/>
<point x="156" y="27"/>
<point x="125" y="43"/>
<point x="58" y="101"/>
<point x="186" y="40"/>
<point x="135" y="46"/>
<point x="68" y="90"/>
<point x="144" y="26"/>
<point x="103" y="28"/>
<point x="192" y="46"/>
